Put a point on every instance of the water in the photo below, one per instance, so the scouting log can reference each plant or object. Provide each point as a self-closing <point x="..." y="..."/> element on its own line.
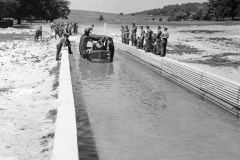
<point x="128" y="112"/>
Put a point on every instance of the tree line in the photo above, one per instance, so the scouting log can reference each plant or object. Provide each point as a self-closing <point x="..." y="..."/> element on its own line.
<point x="34" y="9"/>
<point x="213" y="9"/>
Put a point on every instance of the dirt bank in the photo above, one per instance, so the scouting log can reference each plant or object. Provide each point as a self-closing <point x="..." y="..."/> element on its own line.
<point x="28" y="92"/>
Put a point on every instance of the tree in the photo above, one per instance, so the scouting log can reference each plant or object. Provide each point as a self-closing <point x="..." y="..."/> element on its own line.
<point x="232" y="7"/>
<point x="153" y="19"/>
<point x="217" y="9"/>
<point x="100" y="18"/>
<point x="44" y="9"/>
<point x="181" y="15"/>
<point x="160" y="19"/>
<point x="194" y="16"/>
<point x="133" y="14"/>
<point x="206" y="14"/>
<point x="8" y="9"/>
<point x="121" y="14"/>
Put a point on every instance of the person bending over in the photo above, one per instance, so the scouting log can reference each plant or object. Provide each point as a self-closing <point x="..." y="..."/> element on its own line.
<point x="87" y="31"/>
<point x="61" y="43"/>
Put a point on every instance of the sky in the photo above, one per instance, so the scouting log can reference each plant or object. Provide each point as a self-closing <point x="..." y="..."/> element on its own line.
<point x="125" y="6"/>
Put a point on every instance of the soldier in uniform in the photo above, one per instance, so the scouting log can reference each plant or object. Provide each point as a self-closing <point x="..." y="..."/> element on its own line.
<point x="59" y="46"/>
<point x="68" y="44"/>
<point x="142" y="35"/>
<point x="164" y="36"/>
<point x="148" y="39"/>
<point x="111" y="49"/>
<point x="56" y="31"/>
<point x="139" y="43"/>
<point x="133" y="34"/>
<point x="158" y="41"/>
<point x="122" y="30"/>
<point x="126" y="35"/>
<point x="36" y="34"/>
<point x="87" y="31"/>
<point x="153" y="43"/>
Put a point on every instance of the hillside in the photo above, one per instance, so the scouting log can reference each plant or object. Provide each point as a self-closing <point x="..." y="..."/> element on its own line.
<point x="172" y="9"/>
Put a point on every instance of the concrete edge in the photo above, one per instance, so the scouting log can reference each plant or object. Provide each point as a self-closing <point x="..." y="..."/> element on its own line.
<point x="65" y="141"/>
<point x="154" y="66"/>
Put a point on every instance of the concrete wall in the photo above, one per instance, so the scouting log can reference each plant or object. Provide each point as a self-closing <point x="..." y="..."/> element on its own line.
<point x="218" y="90"/>
<point x="65" y="140"/>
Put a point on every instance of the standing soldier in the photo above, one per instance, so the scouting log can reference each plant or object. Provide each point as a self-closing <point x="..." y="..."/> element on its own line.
<point x="36" y="35"/>
<point x="76" y="28"/>
<point x="70" y="29"/>
<point x="122" y="30"/>
<point x="148" y="39"/>
<point x="56" y="31"/>
<point x="142" y="34"/>
<point x="133" y="34"/>
<point x="51" y="26"/>
<point x="126" y="35"/>
<point x="66" y="28"/>
<point x="68" y="44"/>
<point x="158" y="41"/>
<point x="164" y="36"/>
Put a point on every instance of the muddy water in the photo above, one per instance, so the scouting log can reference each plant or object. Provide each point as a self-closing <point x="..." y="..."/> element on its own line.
<point x="128" y="112"/>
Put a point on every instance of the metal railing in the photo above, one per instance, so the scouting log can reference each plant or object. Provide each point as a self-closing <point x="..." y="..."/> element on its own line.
<point x="218" y="90"/>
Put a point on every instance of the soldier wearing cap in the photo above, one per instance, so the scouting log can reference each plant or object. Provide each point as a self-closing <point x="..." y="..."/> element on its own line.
<point x="122" y="30"/>
<point x="126" y="35"/>
<point x="133" y="34"/>
<point x="142" y="36"/>
<point x="164" y="40"/>
<point x="87" y="31"/>
<point x="158" y="41"/>
<point x="59" y="45"/>
<point x="148" y="39"/>
<point x="68" y="44"/>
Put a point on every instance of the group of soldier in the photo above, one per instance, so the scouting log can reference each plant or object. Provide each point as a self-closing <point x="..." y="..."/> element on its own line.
<point x="148" y="41"/>
<point x="63" y="31"/>
<point x="60" y="28"/>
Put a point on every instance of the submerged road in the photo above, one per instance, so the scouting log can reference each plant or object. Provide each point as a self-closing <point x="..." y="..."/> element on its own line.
<point x="126" y="111"/>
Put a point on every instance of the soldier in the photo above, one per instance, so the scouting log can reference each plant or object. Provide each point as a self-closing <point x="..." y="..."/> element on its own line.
<point x="70" y="29"/>
<point x="111" y="49"/>
<point x="56" y="31"/>
<point x="148" y="39"/>
<point x="87" y="31"/>
<point x="75" y="28"/>
<point x="51" y="26"/>
<point x="133" y="34"/>
<point x="59" y="45"/>
<point x="153" y="43"/>
<point x="139" y="43"/>
<point x="122" y="30"/>
<point x="126" y="35"/>
<point x="164" y="36"/>
<point x="68" y="44"/>
<point x="65" y="30"/>
<point x="36" y="35"/>
<point x="142" y="35"/>
<point x="40" y="33"/>
<point x="158" y="41"/>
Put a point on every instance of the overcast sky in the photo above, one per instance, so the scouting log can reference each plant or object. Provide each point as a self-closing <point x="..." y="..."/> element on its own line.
<point x="125" y="6"/>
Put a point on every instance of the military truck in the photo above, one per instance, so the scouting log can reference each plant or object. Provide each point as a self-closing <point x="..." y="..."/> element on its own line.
<point x="97" y="48"/>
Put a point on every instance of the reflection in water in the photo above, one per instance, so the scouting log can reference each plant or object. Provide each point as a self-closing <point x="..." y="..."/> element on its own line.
<point x="136" y="114"/>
